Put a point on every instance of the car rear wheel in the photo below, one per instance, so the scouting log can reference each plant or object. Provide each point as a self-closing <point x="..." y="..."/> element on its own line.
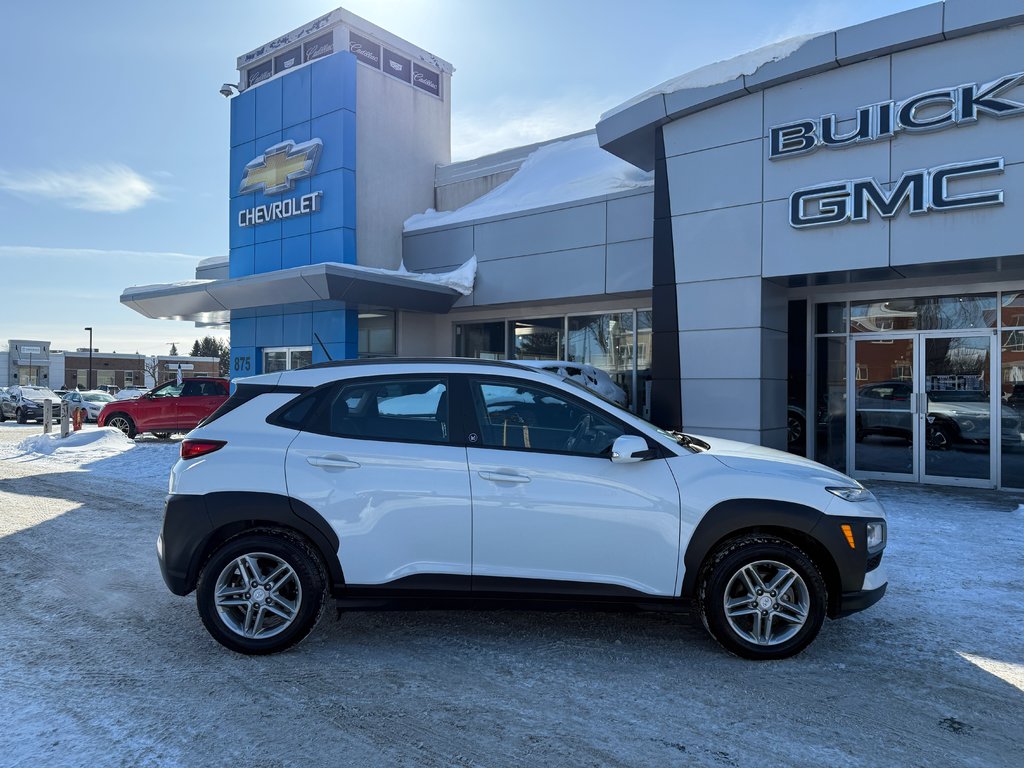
<point x="123" y="422"/>
<point x="762" y="597"/>
<point x="261" y="593"/>
<point x="19" y="415"/>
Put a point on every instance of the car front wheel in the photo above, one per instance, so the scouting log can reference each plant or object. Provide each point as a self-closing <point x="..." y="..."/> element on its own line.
<point x="762" y="597"/>
<point x="261" y="593"/>
<point x="124" y="423"/>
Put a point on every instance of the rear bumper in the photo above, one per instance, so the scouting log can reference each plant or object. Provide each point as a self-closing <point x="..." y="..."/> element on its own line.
<point x="185" y="529"/>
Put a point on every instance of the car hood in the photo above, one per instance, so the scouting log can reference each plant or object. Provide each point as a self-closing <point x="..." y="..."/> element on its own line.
<point x="768" y="461"/>
<point x="964" y="408"/>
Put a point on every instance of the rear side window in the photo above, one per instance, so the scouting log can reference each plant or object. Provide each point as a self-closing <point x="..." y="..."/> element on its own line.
<point x="398" y="409"/>
<point x="246" y="392"/>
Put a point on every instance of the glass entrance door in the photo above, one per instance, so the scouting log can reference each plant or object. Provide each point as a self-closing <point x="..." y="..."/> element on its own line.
<point x="923" y="409"/>
<point x="957" y="409"/>
<point x="884" y="430"/>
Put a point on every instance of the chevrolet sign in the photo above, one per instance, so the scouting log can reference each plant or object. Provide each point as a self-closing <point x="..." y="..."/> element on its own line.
<point x="275" y="172"/>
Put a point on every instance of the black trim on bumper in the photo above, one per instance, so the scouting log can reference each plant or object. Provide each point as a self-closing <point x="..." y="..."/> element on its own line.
<point x="195" y="524"/>
<point x="852" y="602"/>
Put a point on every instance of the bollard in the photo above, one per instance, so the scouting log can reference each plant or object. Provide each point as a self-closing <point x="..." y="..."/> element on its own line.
<point x="47" y="416"/>
<point x="65" y="422"/>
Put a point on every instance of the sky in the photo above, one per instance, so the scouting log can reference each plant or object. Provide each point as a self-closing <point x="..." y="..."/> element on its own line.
<point x="114" y="137"/>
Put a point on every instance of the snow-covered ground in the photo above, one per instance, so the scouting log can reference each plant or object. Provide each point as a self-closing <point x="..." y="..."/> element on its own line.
<point x="101" y="665"/>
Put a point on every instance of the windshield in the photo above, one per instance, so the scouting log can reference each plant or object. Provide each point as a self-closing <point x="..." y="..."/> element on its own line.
<point x="678" y="437"/>
<point x="98" y="397"/>
<point x="37" y="393"/>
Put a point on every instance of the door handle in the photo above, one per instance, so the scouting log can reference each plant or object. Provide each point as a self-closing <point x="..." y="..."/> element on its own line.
<point x="332" y="462"/>
<point x="504" y="477"/>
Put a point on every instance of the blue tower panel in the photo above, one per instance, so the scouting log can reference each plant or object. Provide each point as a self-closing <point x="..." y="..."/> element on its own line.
<point x="243" y="118"/>
<point x="295" y="97"/>
<point x="268" y="108"/>
<point x="333" y="84"/>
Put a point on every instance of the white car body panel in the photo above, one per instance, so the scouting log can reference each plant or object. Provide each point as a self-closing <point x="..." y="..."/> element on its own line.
<point x="403" y="510"/>
<point x="252" y="459"/>
<point x="575" y="518"/>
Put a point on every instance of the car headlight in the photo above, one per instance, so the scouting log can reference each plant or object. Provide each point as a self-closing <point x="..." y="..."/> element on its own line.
<point x="852" y="493"/>
<point x="876" y="536"/>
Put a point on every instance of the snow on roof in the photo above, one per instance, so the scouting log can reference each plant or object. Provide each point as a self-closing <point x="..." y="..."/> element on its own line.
<point x="720" y="71"/>
<point x="209" y="261"/>
<point x="555" y="173"/>
<point x="460" y="279"/>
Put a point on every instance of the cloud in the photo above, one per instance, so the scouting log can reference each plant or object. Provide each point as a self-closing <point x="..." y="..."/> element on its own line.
<point x="491" y="129"/>
<point x="111" y="188"/>
<point x="81" y="254"/>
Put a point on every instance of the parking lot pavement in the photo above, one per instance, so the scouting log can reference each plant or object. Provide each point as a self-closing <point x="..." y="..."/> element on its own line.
<point x="102" y="665"/>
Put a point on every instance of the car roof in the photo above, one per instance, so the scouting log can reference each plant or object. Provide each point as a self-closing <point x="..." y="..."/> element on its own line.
<point x="321" y="373"/>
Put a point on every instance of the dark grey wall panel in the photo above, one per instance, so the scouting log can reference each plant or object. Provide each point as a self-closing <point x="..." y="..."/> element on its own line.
<point x="430" y="250"/>
<point x="561" y="229"/>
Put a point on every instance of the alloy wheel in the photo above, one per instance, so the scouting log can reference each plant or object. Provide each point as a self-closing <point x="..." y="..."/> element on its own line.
<point x="766" y="602"/>
<point x="257" y="595"/>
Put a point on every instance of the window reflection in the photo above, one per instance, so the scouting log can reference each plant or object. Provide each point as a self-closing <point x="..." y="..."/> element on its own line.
<point x="930" y="313"/>
<point x="536" y="339"/>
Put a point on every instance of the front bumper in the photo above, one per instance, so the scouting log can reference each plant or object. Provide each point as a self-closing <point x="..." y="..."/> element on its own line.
<point x="875" y="584"/>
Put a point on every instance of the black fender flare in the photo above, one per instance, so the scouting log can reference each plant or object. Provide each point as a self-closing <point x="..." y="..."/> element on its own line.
<point x="194" y="525"/>
<point x="842" y="567"/>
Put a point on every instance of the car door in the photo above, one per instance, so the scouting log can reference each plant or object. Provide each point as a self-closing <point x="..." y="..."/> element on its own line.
<point x="198" y="400"/>
<point x="549" y="505"/>
<point x="158" y="409"/>
<point x="375" y="459"/>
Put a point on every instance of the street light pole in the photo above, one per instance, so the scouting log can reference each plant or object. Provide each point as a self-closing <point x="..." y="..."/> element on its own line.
<point x="88" y="381"/>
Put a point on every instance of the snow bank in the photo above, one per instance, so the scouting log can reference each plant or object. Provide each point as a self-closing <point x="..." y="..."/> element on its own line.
<point x="105" y="441"/>
<point x="561" y="172"/>
<point x="720" y="72"/>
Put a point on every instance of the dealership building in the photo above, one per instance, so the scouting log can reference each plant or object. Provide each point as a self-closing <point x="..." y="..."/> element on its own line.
<point x="815" y="245"/>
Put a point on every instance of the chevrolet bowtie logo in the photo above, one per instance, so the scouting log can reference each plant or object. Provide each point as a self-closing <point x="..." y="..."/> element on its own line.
<point x="277" y="169"/>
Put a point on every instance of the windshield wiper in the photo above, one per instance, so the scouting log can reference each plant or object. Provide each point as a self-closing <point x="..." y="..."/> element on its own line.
<point x="689" y="442"/>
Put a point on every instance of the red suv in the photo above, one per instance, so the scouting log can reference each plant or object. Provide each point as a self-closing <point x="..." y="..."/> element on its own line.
<point x="169" y="408"/>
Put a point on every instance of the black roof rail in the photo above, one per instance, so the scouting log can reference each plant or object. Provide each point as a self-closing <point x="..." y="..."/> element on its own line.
<point x="411" y="361"/>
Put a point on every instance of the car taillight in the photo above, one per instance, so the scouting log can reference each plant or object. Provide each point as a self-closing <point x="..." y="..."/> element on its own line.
<point x="192" y="449"/>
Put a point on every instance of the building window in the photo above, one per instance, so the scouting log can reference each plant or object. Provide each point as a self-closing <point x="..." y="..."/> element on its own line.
<point x="104" y="378"/>
<point x="608" y="342"/>
<point x="485" y="341"/>
<point x="541" y="339"/>
<point x="286" y="358"/>
<point x="129" y="378"/>
<point x="377" y="333"/>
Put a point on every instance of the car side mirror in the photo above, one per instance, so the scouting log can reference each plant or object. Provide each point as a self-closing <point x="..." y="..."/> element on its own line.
<point x="629" y="449"/>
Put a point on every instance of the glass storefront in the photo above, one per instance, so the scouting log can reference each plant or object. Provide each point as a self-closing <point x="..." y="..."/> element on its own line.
<point x="921" y="376"/>
<point x="618" y="343"/>
<point x="286" y="358"/>
<point x="377" y="333"/>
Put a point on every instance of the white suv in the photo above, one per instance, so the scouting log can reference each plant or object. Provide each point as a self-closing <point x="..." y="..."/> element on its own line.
<point x="408" y="482"/>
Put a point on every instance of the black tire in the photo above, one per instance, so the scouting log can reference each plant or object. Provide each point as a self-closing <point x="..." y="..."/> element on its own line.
<point x="263" y="547"/>
<point x="19" y="416"/>
<point x="124" y="422"/>
<point x="723" y="572"/>
<point x="162" y="435"/>
<point x="795" y="427"/>
<point x="939" y="437"/>
<point x="3" y="416"/>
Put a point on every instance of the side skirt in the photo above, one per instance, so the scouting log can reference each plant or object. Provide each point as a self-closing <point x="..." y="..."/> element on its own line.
<point x="441" y="592"/>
